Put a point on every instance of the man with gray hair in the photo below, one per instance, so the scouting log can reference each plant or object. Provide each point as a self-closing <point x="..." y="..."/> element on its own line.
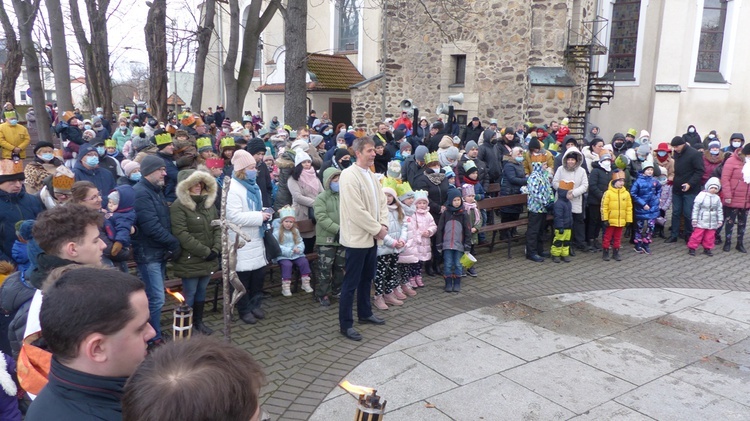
<point x="364" y="222"/>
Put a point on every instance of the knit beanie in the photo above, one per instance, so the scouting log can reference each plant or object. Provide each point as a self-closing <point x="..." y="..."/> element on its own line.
<point x="452" y="153"/>
<point x="746" y="149"/>
<point x="255" y="145"/>
<point x="241" y="159"/>
<point x="420" y="153"/>
<point x="534" y="144"/>
<point x="644" y="149"/>
<point x="452" y="194"/>
<point x="713" y="182"/>
<point x="349" y="138"/>
<point x="398" y="135"/>
<point x="43" y="144"/>
<point x="340" y="153"/>
<point x="471" y="145"/>
<point x="130" y="167"/>
<point x="300" y="157"/>
<point x="404" y="146"/>
<point x="714" y="144"/>
<point x="316" y="140"/>
<point x="677" y="141"/>
<point x="139" y="143"/>
<point x="394" y="169"/>
<point x="150" y="164"/>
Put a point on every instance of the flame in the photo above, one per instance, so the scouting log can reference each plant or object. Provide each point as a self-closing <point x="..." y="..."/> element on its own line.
<point x="354" y="389"/>
<point x="177" y="295"/>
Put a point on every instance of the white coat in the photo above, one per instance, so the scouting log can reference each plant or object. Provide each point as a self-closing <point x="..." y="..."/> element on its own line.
<point x="253" y="255"/>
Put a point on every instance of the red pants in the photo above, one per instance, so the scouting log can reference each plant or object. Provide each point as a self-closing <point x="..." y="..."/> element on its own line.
<point x="702" y="236"/>
<point x="613" y="235"/>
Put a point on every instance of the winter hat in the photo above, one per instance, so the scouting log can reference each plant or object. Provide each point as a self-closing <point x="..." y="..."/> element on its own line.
<point x="349" y="138"/>
<point x="130" y="167"/>
<point x="340" y="153"/>
<point x="255" y="145"/>
<point x="631" y="132"/>
<point x="713" y="182"/>
<point x="150" y="164"/>
<point x="420" y="153"/>
<point x="452" y="194"/>
<point x="714" y="144"/>
<point x="663" y="147"/>
<point x="240" y="160"/>
<point x="677" y="141"/>
<point x="746" y="149"/>
<point x="449" y="172"/>
<point x="389" y="190"/>
<point x="470" y="167"/>
<point x="644" y="150"/>
<point x="534" y="144"/>
<point x="467" y="189"/>
<point x="646" y="165"/>
<point x="622" y="161"/>
<point x="89" y="133"/>
<point x="404" y="191"/>
<point x="300" y="157"/>
<point x="226" y="124"/>
<point x="43" y="144"/>
<point x="300" y="144"/>
<point x="452" y="153"/>
<point x="140" y="143"/>
<point x="488" y="135"/>
<point x="446" y="142"/>
<point x="644" y="133"/>
<point x="394" y="169"/>
<point x="398" y="134"/>
<point x="316" y="140"/>
<point x="570" y="139"/>
<point x="420" y="195"/>
<point x="605" y="157"/>
<point x="404" y="146"/>
<point x="471" y="145"/>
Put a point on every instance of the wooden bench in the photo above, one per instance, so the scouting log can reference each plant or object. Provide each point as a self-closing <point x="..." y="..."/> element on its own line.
<point x="493" y="188"/>
<point x="297" y="277"/>
<point x="491" y="204"/>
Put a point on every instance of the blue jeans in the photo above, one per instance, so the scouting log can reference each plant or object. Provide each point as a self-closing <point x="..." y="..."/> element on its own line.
<point x="152" y="274"/>
<point x="359" y="273"/>
<point x="682" y="205"/>
<point x="194" y="289"/>
<point x="452" y="262"/>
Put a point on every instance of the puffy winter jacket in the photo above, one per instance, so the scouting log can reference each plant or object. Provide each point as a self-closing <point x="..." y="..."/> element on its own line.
<point x="286" y="167"/>
<point x="577" y="175"/>
<point x="153" y="238"/>
<point x="617" y="207"/>
<point x="170" y="181"/>
<point x="303" y="199"/>
<point x="562" y="211"/>
<point x="513" y="179"/>
<point x="489" y="154"/>
<point x="733" y="184"/>
<point x="327" y="212"/>
<point x="646" y="191"/>
<point x="688" y="168"/>
<point x="397" y="231"/>
<point x="418" y="247"/>
<point x="15" y="207"/>
<point x="454" y="231"/>
<point x="102" y="178"/>
<point x="710" y="163"/>
<point x="191" y="223"/>
<point x="252" y="256"/>
<point x="707" y="210"/>
<point x="287" y="244"/>
<point x="598" y="183"/>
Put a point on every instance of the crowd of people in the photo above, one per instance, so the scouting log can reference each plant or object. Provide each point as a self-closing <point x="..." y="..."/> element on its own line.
<point x="384" y="211"/>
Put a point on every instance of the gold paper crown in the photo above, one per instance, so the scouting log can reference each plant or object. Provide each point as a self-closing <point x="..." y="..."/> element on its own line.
<point x="403" y="189"/>
<point x="203" y="142"/>
<point x="163" y="139"/>
<point x="10" y="167"/>
<point x="110" y="143"/>
<point x="566" y="185"/>
<point x="538" y="158"/>
<point x="63" y="179"/>
<point x="618" y="174"/>
<point x="430" y="158"/>
<point x="227" y="142"/>
<point x="286" y="212"/>
<point x="389" y="182"/>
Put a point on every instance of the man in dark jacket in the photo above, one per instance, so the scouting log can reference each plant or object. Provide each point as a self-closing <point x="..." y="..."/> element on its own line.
<point x="413" y="165"/>
<point x="153" y="242"/>
<point x="219" y="115"/>
<point x="688" y="169"/>
<point x="95" y="322"/>
<point x="164" y="142"/>
<point x="489" y="154"/>
<point x="472" y="131"/>
<point x="87" y="169"/>
<point x="15" y="204"/>
<point x="257" y="148"/>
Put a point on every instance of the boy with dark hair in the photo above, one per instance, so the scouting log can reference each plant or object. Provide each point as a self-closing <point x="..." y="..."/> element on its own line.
<point x="199" y="379"/>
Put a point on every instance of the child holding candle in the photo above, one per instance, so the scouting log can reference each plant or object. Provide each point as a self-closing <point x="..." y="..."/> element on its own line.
<point x="292" y="251"/>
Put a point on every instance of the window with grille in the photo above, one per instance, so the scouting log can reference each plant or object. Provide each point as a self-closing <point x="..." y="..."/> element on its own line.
<point x="459" y="67"/>
<point x="708" y="68"/>
<point x="347" y="22"/>
<point x="623" y="39"/>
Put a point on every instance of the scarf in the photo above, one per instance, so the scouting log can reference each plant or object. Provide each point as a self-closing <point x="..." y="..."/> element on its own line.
<point x="435" y="177"/>
<point x="746" y="170"/>
<point x="254" y="200"/>
<point x="468" y="207"/>
<point x="309" y="182"/>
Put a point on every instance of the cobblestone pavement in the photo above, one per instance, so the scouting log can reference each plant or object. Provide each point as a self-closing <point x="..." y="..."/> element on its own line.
<point x="305" y="356"/>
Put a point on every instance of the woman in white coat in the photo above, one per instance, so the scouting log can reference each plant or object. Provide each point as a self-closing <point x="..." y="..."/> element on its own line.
<point x="245" y="209"/>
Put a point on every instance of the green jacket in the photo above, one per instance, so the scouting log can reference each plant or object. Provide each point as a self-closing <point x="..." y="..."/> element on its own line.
<point x="327" y="212"/>
<point x="191" y="224"/>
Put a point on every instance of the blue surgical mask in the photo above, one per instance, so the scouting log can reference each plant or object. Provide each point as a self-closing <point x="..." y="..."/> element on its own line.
<point x="13" y="121"/>
<point x="714" y="151"/>
<point x="251" y="174"/>
<point x="135" y="176"/>
<point x="328" y="132"/>
<point x="662" y="154"/>
<point x="335" y="186"/>
<point x="123" y="128"/>
<point x="47" y="157"/>
<point x="405" y="154"/>
<point x="101" y="150"/>
<point x="87" y="127"/>
<point x="519" y="159"/>
<point x="92" y="161"/>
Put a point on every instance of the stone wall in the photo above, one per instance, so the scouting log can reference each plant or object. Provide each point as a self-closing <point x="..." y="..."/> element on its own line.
<point x="500" y="38"/>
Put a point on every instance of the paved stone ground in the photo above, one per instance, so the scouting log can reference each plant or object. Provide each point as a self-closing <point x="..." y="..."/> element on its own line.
<point x="305" y="357"/>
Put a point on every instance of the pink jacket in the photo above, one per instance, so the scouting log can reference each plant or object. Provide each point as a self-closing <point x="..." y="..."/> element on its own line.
<point x="733" y="185"/>
<point x="417" y="247"/>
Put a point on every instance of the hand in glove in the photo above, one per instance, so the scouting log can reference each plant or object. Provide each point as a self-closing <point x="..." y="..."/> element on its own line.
<point x="605" y="223"/>
<point x="561" y="231"/>
<point x="116" y="248"/>
<point x="211" y="256"/>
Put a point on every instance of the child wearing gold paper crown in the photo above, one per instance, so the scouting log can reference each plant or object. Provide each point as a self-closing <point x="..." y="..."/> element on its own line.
<point x="563" y="223"/>
<point x="617" y="210"/>
<point x="292" y="251"/>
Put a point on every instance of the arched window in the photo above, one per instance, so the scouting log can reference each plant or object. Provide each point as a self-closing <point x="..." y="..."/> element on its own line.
<point x="623" y="39"/>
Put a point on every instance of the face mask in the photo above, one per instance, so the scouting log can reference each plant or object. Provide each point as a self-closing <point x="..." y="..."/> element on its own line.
<point x="607" y="165"/>
<point x="711" y="136"/>
<point x="405" y="154"/>
<point x="736" y="144"/>
<point x="335" y="186"/>
<point x="519" y="159"/>
<point x="661" y="154"/>
<point x="691" y="130"/>
<point x="135" y="176"/>
<point x="342" y="130"/>
<point x="87" y="127"/>
<point x="714" y="151"/>
<point x="328" y="132"/>
<point x="226" y="130"/>
<point x="100" y="150"/>
<point x="100" y="115"/>
<point x="47" y="157"/>
<point x="13" y="121"/>
<point x="641" y="158"/>
<point x="92" y="161"/>
<point x="618" y="145"/>
<point x="251" y="174"/>
<point x="345" y="164"/>
<point x="123" y="128"/>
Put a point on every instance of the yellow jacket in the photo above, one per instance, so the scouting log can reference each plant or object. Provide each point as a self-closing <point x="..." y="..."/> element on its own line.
<point x="617" y="207"/>
<point x="362" y="213"/>
<point x="13" y="137"/>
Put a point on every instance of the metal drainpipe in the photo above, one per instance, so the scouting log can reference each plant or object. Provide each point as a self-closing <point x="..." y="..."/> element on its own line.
<point x="220" y="46"/>
<point x="385" y="54"/>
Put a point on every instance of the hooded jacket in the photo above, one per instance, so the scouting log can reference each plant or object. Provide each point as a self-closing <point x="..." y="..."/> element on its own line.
<point x="286" y="167"/>
<point x="436" y="186"/>
<point x="13" y="208"/>
<point x="490" y="154"/>
<point x="693" y="139"/>
<point x="577" y="175"/>
<point x="327" y="212"/>
<point x="710" y="163"/>
<point x="471" y="133"/>
<point x="617" y="207"/>
<point x="418" y="248"/>
<point x="454" y="231"/>
<point x="13" y="137"/>
<point x="626" y="144"/>
<point x="707" y="209"/>
<point x="117" y="224"/>
<point x="191" y="218"/>
<point x="153" y="238"/>
<point x="102" y="178"/>
<point x="303" y="200"/>
<point x="735" y="190"/>
<point x="645" y="191"/>
<point x="513" y="179"/>
<point x="170" y="181"/>
<point x="562" y="211"/>
<point x="599" y="179"/>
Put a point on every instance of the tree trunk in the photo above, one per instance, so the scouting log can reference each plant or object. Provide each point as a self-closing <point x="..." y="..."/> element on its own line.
<point x="13" y="62"/>
<point x="26" y="12"/>
<point x="295" y="66"/>
<point x="237" y="87"/>
<point x="204" y="41"/>
<point x="95" y="53"/>
<point x="60" y="63"/>
<point x="156" y="44"/>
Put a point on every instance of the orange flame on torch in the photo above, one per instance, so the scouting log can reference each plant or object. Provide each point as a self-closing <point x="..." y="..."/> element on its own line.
<point x="354" y="389"/>
<point x="177" y="295"/>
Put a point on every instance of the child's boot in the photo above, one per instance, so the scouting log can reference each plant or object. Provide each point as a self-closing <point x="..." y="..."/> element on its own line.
<point x="691" y="252"/>
<point x="456" y="284"/>
<point x="647" y="248"/>
<point x="408" y="290"/>
<point x="286" y="287"/>
<point x="708" y="252"/>
<point x="616" y="254"/>
<point x="472" y="272"/>
<point x="413" y="282"/>
<point x="566" y="259"/>
<point x="605" y="255"/>
<point x="448" y="284"/>
<point x="555" y="259"/>
<point x="638" y="248"/>
<point x="379" y="302"/>
<point x="392" y="300"/>
<point x="306" y="284"/>
<point x="419" y="282"/>
<point x="727" y="245"/>
<point x="399" y="293"/>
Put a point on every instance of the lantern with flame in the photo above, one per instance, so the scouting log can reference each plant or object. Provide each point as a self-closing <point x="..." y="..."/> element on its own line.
<point x="182" y="318"/>
<point x="369" y="407"/>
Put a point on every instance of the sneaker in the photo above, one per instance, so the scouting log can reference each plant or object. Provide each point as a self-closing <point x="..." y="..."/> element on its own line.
<point x="646" y="249"/>
<point x="472" y="272"/>
<point x="566" y="259"/>
<point x="392" y="299"/>
<point x="324" y="301"/>
<point x="408" y="290"/>
<point x="708" y="252"/>
<point x="306" y="284"/>
<point x="691" y="252"/>
<point x="399" y="293"/>
<point x="555" y="259"/>
<point x="379" y="302"/>
<point x="638" y="249"/>
<point x="419" y="282"/>
<point x="286" y="288"/>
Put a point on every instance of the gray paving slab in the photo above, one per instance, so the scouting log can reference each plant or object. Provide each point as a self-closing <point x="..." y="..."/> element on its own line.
<point x="497" y="398"/>
<point x="580" y="319"/>
<point x="611" y="411"/>
<point x="625" y="311"/>
<point x="417" y="411"/>
<point x="719" y="377"/>
<point x="503" y="312"/>
<point x="409" y="341"/>
<point x="734" y="304"/>
<point x="701" y="294"/>
<point x="552" y="302"/>
<point x="657" y="298"/>
<point x="454" y="326"/>
<point x="671" y="399"/>
<point x="738" y="353"/>
<point x="568" y="382"/>
<point x="707" y="326"/>
<point x="527" y="340"/>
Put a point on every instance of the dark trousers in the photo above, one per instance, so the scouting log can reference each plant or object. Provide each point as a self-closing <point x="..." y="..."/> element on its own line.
<point x="358" y="275"/>
<point x="682" y="205"/>
<point x="594" y="222"/>
<point x="578" y="236"/>
<point x="535" y="233"/>
<point x="253" y="282"/>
